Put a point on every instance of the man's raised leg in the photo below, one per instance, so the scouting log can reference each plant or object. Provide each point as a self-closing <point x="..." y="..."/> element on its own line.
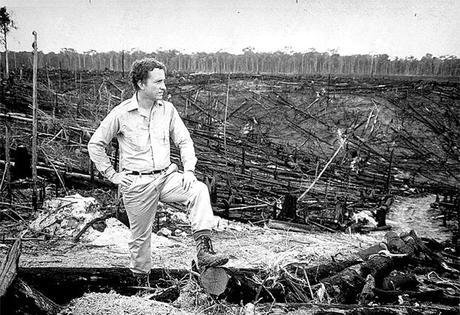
<point x="200" y="214"/>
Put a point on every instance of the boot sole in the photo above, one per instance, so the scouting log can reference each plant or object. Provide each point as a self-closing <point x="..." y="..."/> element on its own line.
<point x="217" y="263"/>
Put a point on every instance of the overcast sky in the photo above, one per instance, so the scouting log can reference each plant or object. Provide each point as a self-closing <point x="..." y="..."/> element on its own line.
<point x="396" y="27"/>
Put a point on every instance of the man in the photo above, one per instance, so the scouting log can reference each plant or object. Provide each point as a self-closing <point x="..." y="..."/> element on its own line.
<point x="143" y="126"/>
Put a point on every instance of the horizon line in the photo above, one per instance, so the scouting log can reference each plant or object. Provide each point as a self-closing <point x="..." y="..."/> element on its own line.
<point x="236" y="54"/>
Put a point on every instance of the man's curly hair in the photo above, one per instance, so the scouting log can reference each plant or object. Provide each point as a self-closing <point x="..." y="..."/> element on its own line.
<point x="140" y="70"/>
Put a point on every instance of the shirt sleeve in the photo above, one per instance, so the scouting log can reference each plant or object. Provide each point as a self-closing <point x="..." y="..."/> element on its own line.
<point x="181" y="138"/>
<point x="98" y="143"/>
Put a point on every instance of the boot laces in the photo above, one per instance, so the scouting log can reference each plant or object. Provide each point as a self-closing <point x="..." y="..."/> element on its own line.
<point x="206" y="244"/>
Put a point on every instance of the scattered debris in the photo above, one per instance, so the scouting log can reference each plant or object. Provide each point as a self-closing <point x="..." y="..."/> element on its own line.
<point x="113" y="303"/>
<point x="164" y="232"/>
<point x="66" y="216"/>
<point x="281" y="134"/>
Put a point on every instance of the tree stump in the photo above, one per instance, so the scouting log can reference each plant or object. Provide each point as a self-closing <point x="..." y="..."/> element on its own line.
<point x="214" y="280"/>
<point x="289" y="208"/>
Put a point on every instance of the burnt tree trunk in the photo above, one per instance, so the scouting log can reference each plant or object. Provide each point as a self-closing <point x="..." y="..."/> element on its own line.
<point x="345" y="286"/>
<point x="24" y="299"/>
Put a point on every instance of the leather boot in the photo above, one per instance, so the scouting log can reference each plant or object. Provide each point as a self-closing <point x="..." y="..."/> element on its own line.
<point x="206" y="255"/>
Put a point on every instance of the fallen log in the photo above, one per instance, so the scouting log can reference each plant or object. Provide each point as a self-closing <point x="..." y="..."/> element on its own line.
<point x="372" y="250"/>
<point x="376" y="228"/>
<point x="434" y="258"/>
<point x="346" y="285"/>
<point x="288" y="226"/>
<point x="379" y="263"/>
<point x="438" y="296"/>
<point x="316" y="273"/>
<point x="367" y="294"/>
<point x="65" y="284"/>
<point x="27" y="300"/>
<point x="17" y="297"/>
<point x="399" y="280"/>
<point x="8" y="269"/>
<point x="90" y="223"/>
<point x="322" y="226"/>
<point x="354" y="309"/>
<point x="47" y="171"/>
<point x="403" y="245"/>
<point x="379" y="267"/>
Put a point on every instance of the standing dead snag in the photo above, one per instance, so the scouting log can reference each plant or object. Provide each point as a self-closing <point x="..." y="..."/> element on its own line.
<point x="34" y="125"/>
<point x="6" y="25"/>
<point x="7" y="170"/>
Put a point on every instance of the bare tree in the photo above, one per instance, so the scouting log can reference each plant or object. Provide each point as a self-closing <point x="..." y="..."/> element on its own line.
<point x="6" y="25"/>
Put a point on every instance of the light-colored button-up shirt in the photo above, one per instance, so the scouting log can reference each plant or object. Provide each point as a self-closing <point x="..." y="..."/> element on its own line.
<point x="143" y="138"/>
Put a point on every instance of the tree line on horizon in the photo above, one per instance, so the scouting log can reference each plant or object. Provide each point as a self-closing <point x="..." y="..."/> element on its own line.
<point x="248" y="61"/>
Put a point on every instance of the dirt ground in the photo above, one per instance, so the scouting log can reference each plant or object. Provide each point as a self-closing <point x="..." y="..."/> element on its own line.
<point x="415" y="213"/>
<point x="249" y="246"/>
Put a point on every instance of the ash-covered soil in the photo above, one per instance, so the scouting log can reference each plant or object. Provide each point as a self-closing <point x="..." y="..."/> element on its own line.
<point x="249" y="247"/>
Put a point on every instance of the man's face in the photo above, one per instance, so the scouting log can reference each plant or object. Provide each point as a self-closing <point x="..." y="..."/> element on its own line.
<point x="154" y="87"/>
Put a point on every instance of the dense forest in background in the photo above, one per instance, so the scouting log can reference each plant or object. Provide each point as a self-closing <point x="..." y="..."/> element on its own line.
<point x="248" y="61"/>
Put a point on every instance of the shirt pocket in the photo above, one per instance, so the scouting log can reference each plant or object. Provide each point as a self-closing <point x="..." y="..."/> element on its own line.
<point x="160" y="133"/>
<point x="136" y="136"/>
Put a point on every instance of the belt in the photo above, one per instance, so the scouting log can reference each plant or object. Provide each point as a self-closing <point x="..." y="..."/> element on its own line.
<point x="148" y="173"/>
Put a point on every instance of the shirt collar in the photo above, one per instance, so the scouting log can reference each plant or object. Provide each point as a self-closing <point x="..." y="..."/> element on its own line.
<point x="134" y="104"/>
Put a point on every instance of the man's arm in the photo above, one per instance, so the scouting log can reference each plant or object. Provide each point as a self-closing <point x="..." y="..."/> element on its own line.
<point x="181" y="138"/>
<point x="106" y="131"/>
